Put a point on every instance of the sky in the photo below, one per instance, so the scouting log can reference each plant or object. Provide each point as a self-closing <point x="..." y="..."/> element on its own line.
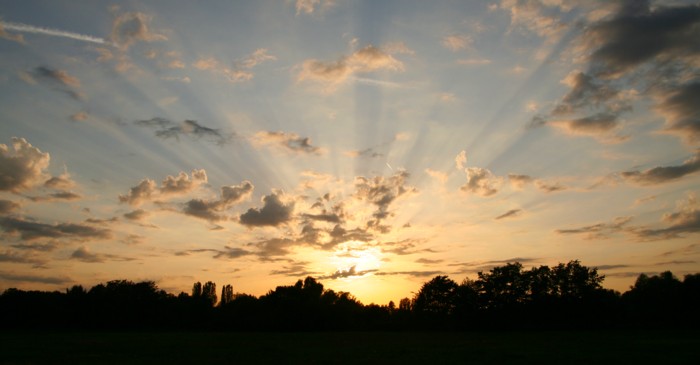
<point x="370" y="144"/>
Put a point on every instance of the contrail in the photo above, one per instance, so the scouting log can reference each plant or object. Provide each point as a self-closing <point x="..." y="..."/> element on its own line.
<point x="25" y="28"/>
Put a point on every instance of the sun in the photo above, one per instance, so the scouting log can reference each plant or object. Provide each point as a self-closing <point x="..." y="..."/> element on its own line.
<point x="357" y="257"/>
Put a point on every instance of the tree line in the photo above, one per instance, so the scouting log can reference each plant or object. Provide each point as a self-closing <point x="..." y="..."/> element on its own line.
<point x="567" y="295"/>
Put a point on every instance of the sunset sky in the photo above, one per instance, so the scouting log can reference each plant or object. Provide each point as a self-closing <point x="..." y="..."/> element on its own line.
<point x="370" y="144"/>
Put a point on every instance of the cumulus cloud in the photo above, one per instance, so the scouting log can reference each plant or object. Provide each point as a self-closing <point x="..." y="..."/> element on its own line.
<point x="165" y="129"/>
<point x="480" y="181"/>
<point x="21" y="167"/>
<point x="273" y="213"/>
<point x="63" y="181"/>
<point x="129" y="28"/>
<point x="29" y="229"/>
<point x="367" y="59"/>
<point x="288" y="141"/>
<point x="210" y="209"/>
<point x="600" y="230"/>
<point x="382" y="192"/>
<point x="148" y="190"/>
<point x="663" y="174"/>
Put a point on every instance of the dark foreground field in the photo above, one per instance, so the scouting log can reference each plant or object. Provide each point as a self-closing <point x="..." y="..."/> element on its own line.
<point x="611" y="347"/>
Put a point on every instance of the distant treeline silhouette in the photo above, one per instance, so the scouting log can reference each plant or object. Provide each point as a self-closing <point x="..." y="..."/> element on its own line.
<point x="506" y="297"/>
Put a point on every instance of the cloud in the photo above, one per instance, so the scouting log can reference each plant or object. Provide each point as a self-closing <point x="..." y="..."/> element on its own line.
<point x="79" y="116"/>
<point x="686" y="219"/>
<point x="242" y="70"/>
<point x="25" y="28"/>
<point x="601" y="126"/>
<point x="148" y="190"/>
<point x="510" y="214"/>
<point x="12" y="37"/>
<point x="167" y="129"/>
<point x="682" y="111"/>
<point x="352" y="271"/>
<point x="58" y="196"/>
<point x="60" y="80"/>
<point x="456" y="42"/>
<point x="663" y="174"/>
<point x="549" y="187"/>
<point x="273" y="246"/>
<point x="639" y="33"/>
<point x="403" y="247"/>
<point x="519" y="181"/>
<point x="296" y="269"/>
<point x="599" y="230"/>
<point x="480" y="181"/>
<point x="210" y="209"/>
<point x="273" y="213"/>
<point x="22" y="167"/>
<point x="8" y="206"/>
<point x="428" y="261"/>
<point x="20" y="258"/>
<point x="382" y="192"/>
<point x="136" y="215"/>
<point x="62" y="181"/>
<point x="288" y="141"/>
<point x="41" y="247"/>
<point x="419" y="274"/>
<point x="129" y="28"/>
<point x="311" y="6"/>
<point x="27" y="278"/>
<point x="29" y="230"/>
<point x="83" y="254"/>
<point x="474" y="61"/>
<point x="367" y="59"/>
<point x="540" y="17"/>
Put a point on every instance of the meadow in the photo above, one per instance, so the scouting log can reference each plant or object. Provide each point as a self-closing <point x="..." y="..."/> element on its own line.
<point x="490" y="347"/>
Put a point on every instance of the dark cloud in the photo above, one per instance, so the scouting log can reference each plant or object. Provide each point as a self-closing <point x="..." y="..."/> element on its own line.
<point x="481" y="181"/>
<point x="22" y="166"/>
<point x="26" y="278"/>
<point x="428" y="261"/>
<point x="84" y="255"/>
<point x="366" y="153"/>
<point x="30" y="230"/>
<point x="8" y="206"/>
<point x="60" y="80"/>
<point x="325" y="217"/>
<point x="510" y="214"/>
<point x="232" y="253"/>
<point x="273" y="246"/>
<point x="600" y="230"/>
<point x="611" y="267"/>
<point x="41" y="247"/>
<point x="686" y="219"/>
<point x="662" y="174"/>
<point x="289" y="141"/>
<point x="346" y="273"/>
<point x="549" y="187"/>
<point x="60" y="182"/>
<point x="58" y="196"/>
<point x="210" y="209"/>
<point x="136" y="215"/>
<point x="273" y="213"/>
<point x="682" y="111"/>
<point x="519" y="181"/>
<point x="403" y="247"/>
<point x="165" y="129"/>
<point x="382" y="192"/>
<point x="419" y="274"/>
<point x="640" y="33"/>
<point x="296" y="269"/>
<point x="20" y="258"/>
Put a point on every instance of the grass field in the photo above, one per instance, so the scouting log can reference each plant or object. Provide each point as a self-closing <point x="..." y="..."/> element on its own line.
<point x="604" y="347"/>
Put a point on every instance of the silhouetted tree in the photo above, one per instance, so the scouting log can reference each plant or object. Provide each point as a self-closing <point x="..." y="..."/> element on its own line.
<point x="226" y="294"/>
<point x="503" y="287"/>
<point x="209" y="293"/>
<point x="197" y="290"/>
<point x="438" y="296"/>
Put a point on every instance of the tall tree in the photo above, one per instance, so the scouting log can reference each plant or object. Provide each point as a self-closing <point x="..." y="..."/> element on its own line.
<point x="209" y="292"/>
<point x="226" y="294"/>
